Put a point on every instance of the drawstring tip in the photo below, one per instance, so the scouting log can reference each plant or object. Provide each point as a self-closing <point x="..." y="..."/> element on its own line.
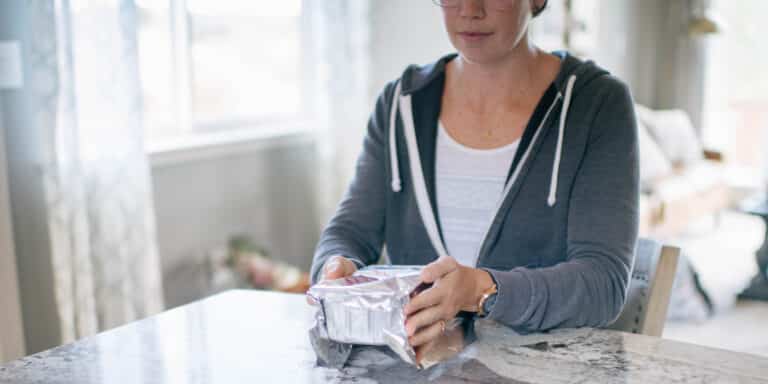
<point x="551" y="201"/>
<point x="396" y="186"/>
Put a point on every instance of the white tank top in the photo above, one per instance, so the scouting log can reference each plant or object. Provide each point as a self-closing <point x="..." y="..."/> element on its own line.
<point x="469" y="183"/>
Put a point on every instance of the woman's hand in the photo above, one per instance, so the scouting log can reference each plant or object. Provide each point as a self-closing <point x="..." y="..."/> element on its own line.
<point x="337" y="267"/>
<point x="455" y="288"/>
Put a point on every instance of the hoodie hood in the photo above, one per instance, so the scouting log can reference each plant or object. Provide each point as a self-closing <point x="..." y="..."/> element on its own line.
<point x="574" y="75"/>
<point x="415" y="77"/>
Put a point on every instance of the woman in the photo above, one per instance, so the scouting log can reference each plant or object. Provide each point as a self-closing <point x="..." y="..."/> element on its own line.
<point x="511" y="173"/>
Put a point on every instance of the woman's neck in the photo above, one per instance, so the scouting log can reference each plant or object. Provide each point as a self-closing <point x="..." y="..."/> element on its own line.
<point x="514" y="79"/>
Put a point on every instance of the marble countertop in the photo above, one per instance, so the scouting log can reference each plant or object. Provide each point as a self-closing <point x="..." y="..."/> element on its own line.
<point x="260" y="337"/>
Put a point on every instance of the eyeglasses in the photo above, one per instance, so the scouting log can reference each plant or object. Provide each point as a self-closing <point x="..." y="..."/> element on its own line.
<point x="495" y="4"/>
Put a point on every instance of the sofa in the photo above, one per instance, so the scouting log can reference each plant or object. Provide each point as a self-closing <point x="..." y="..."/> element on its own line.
<point x="680" y="180"/>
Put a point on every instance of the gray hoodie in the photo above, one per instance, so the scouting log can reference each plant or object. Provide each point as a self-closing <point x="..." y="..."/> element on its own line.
<point x="560" y="246"/>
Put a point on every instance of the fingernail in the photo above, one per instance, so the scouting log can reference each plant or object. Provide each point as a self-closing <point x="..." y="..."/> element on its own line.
<point x="332" y="266"/>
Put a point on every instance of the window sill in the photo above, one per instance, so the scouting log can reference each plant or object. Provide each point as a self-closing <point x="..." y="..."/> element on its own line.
<point x="210" y="145"/>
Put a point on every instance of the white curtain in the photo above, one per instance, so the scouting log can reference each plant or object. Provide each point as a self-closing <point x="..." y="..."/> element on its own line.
<point x="84" y="79"/>
<point x="11" y="331"/>
<point x="338" y="35"/>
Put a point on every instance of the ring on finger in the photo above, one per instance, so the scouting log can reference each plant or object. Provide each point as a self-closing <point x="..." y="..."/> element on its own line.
<point x="442" y="326"/>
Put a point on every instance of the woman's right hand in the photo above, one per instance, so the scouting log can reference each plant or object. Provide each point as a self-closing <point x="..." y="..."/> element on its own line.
<point x="337" y="267"/>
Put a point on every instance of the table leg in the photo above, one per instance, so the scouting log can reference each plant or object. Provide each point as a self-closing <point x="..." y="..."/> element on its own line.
<point x="758" y="288"/>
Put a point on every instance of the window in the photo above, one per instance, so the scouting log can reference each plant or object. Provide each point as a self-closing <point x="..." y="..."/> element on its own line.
<point x="155" y="67"/>
<point x="735" y="116"/>
<point x="212" y="66"/>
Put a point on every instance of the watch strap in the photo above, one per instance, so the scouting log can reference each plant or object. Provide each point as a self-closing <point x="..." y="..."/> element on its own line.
<point x="482" y="308"/>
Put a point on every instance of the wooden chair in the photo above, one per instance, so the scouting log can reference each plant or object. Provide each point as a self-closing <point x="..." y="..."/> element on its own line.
<point x="653" y="273"/>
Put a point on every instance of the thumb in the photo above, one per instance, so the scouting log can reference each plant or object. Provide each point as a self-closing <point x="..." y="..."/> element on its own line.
<point x="336" y="267"/>
<point x="439" y="268"/>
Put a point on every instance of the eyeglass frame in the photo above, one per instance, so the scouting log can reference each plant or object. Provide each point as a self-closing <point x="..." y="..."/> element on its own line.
<point x="536" y="11"/>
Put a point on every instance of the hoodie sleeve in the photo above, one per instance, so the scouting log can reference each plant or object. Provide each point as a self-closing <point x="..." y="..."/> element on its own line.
<point x="356" y="230"/>
<point x="590" y="287"/>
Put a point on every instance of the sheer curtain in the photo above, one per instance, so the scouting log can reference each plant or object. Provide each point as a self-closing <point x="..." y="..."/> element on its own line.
<point x="100" y="216"/>
<point x="337" y="54"/>
<point x="11" y="332"/>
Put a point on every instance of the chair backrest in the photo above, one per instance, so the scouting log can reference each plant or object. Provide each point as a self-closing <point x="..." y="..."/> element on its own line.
<point x="653" y="273"/>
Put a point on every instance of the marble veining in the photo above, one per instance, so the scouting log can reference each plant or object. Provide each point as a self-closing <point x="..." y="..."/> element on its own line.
<point x="258" y="337"/>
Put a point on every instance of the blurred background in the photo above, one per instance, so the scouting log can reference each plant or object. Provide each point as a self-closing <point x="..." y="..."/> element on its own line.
<point x="155" y="152"/>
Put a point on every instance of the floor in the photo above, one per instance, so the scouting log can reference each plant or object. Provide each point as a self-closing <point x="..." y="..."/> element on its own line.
<point x="744" y="328"/>
<point x="722" y="251"/>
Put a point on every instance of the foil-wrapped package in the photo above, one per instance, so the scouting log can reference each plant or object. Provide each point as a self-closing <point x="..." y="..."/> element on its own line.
<point x="367" y="309"/>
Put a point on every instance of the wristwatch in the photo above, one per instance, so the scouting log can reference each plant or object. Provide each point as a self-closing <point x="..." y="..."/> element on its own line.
<point x="487" y="300"/>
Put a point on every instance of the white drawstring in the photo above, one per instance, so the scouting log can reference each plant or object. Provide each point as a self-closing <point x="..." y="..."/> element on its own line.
<point x="396" y="184"/>
<point x="417" y="177"/>
<point x="552" y="199"/>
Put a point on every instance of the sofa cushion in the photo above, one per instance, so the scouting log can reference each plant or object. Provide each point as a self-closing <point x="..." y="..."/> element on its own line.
<point x="693" y="193"/>
<point x="673" y="131"/>
<point x="654" y="164"/>
<point x="689" y="181"/>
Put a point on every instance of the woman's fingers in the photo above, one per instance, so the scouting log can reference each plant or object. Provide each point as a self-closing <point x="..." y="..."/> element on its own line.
<point x="438" y="269"/>
<point x="428" y="298"/>
<point x="424" y="318"/>
<point x="338" y="267"/>
<point x="427" y="334"/>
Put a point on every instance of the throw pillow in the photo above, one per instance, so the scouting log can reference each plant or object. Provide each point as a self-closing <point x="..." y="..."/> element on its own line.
<point x="673" y="131"/>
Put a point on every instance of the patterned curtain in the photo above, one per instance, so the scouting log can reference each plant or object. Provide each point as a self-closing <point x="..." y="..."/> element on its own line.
<point x="85" y="82"/>
<point x="338" y="46"/>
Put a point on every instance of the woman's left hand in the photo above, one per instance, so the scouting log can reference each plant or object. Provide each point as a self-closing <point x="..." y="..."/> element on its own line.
<point x="455" y="288"/>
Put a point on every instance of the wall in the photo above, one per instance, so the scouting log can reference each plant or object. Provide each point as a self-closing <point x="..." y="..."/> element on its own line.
<point x="267" y="193"/>
<point x="404" y="32"/>
<point x="681" y="62"/>
<point x="626" y="44"/>
<point x="646" y="43"/>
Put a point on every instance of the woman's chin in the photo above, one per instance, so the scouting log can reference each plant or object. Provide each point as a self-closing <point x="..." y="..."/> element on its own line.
<point x="480" y="56"/>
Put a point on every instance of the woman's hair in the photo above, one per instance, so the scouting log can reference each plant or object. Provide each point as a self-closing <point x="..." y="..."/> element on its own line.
<point x="539" y="10"/>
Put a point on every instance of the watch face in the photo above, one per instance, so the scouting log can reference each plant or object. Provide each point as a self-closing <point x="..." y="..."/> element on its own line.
<point x="488" y="303"/>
